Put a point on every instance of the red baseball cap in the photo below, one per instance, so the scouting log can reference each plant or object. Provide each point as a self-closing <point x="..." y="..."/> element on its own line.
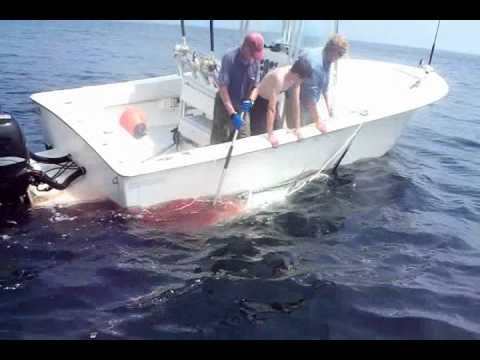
<point x="254" y="43"/>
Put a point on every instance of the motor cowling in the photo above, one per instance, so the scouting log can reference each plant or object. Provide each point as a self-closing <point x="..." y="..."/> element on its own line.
<point x="12" y="140"/>
<point x="16" y="172"/>
<point x="14" y="157"/>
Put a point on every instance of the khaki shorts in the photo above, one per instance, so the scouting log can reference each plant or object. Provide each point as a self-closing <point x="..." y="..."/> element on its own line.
<point x="305" y="117"/>
<point x="222" y="128"/>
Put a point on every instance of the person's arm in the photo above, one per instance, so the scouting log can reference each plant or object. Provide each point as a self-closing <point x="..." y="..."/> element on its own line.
<point x="253" y="94"/>
<point x="315" y="115"/>
<point x="327" y="102"/>
<point x="295" y="102"/>
<point x="325" y="94"/>
<point x="223" y="82"/>
<point x="247" y="103"/>
<point x="227" y="102"/>
<point x="311" y="93"/>
<point x="271" y="112"/>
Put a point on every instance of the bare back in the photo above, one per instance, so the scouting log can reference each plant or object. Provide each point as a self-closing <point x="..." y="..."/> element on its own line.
<point x="274" y="82"/>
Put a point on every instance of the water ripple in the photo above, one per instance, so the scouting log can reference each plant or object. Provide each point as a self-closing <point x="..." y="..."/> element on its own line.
<point x="387" y="250"/>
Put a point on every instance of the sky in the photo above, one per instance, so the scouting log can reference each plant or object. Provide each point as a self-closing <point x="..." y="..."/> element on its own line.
<point x="454" y="35"/>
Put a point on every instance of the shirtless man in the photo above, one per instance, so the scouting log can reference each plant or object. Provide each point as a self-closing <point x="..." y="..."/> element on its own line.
<point x="264" y="115"/>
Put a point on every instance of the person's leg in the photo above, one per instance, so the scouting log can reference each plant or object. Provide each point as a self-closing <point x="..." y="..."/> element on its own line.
<point x="305" y="117"/>
<point x="245" y="129"/>
<point x="221" y="123"/>
<point x="278" y="122"/>
<point x="258" y="123"/>
<point x="289" y="109"/>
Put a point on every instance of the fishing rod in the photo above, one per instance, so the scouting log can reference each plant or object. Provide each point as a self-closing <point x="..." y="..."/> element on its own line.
<point x="212" y="47"/>
<point x="225" y="166"/>
<point x="433" y="46"/>
<point x="184" y="37"/>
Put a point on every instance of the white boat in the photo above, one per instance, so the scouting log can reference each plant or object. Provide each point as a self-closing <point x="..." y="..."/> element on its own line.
<point x="374" y="101"/>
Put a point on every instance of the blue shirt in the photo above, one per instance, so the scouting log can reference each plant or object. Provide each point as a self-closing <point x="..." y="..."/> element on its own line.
<point x="317" y="84"/>
<point x="239" y="75"/>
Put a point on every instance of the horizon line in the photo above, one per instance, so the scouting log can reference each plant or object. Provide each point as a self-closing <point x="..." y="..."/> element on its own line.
<point x="157" y="22"/>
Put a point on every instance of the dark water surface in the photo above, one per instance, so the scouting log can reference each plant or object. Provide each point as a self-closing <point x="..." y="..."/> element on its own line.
<point x="389" y="250"/>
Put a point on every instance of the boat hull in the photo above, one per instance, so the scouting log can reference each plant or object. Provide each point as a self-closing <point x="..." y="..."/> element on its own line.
<point x="247" y="172"/>
<point x="134" y="172"/>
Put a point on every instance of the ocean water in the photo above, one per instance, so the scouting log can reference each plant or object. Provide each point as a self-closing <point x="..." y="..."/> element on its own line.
<point x="388" y="250"/>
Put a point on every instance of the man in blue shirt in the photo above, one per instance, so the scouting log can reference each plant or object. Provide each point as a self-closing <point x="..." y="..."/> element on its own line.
<point x="237" y="81"/>
<point x="317" y="85"/>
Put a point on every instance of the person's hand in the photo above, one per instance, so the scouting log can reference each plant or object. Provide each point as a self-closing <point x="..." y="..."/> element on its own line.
<point x="273" y="140"/>
<point x="237" y="121"/>
<point x="321" y="126"/>
<point x="297" y="133"/>
<point x="246" y="105"/>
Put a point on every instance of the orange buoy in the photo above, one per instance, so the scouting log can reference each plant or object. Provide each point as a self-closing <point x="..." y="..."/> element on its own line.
<point x="133" y="120"/>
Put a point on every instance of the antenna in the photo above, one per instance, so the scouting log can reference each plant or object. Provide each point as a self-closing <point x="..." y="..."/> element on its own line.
<point x="212" y="41"/>
<point x="184" y="37"/>
<point x="433" y="46"/>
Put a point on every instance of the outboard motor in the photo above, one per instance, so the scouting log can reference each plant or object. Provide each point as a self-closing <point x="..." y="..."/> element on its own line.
<point x="16" y="172"/>
<point x="14" y="157"/>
